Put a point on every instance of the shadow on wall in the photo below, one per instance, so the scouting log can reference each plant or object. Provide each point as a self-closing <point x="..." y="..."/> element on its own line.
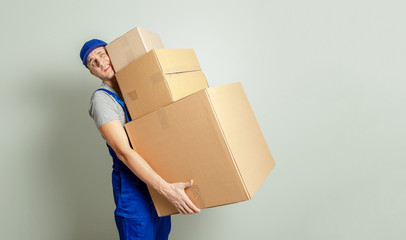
<point x="76" y="162"/>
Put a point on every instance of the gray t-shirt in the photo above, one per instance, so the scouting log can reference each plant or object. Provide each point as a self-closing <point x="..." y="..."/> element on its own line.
<point x="104" y="108"/>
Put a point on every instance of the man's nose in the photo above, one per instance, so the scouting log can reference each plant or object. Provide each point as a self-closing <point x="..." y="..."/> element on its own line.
<point x="102" y="62"/>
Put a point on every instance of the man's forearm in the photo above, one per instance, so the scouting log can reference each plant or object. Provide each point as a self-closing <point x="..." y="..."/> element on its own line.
<point x="142" y="169"/>
<point x="174" y="192"/>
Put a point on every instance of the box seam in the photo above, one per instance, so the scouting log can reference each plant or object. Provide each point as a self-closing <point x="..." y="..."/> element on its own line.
<point x="228" y="147"/>
<point x="162" y="73"/>
<point x="172" y="73"/>
<point x="142" y="39"/>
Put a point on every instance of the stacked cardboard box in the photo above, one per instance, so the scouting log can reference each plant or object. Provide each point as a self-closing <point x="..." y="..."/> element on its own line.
<point x="186" y="130"/>
<point x="131" y="46"/>
<point x="159" y="78"/>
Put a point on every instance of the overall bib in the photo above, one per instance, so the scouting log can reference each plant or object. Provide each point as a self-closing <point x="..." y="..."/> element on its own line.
<point x="135" y="213"/>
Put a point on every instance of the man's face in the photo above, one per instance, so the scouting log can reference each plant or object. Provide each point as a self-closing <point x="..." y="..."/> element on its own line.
<point x="99" y="65"/>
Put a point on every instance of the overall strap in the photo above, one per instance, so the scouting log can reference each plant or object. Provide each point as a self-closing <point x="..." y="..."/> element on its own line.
<point x="118" y="100"/>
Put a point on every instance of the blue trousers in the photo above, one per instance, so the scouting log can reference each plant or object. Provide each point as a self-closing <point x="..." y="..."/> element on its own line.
<point x="135" y="213"/>
<point x="154" y="228"/>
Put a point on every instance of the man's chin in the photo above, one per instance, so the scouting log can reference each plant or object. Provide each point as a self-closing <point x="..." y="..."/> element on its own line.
<point x="109" y="76"/>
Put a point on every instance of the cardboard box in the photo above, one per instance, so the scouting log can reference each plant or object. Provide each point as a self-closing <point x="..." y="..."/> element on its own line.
<point x="212" y="137"/>
<point x="159" y="78"/>
<point x="132" y="46"/>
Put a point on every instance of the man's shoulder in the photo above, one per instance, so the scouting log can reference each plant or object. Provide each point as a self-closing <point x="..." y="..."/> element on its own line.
<point x="101" y="100"/>
<point x="103" y="107"/>
<point x="99" y="94"/>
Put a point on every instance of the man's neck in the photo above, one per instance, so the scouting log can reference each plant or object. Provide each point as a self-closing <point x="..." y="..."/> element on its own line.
<point x="113" y="84"/>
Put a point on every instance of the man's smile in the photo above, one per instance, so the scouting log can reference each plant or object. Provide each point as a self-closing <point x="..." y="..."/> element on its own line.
<point x="106" y="68"/>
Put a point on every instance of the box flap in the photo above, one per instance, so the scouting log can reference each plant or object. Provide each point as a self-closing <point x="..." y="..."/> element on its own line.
<point x="177" y="60"/>
<point x="183" y="84"/>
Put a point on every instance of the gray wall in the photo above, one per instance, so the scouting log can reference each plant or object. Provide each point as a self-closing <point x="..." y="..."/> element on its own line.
<point x="326" y="80"/>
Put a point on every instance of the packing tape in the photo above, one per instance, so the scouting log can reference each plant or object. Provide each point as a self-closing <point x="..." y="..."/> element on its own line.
<point x="130" y="96"/>
<point x="156" y="78"/>
<point x="163" y="119"/>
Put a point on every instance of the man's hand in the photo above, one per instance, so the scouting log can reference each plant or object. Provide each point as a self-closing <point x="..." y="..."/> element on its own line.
<point x="175" y="193"/>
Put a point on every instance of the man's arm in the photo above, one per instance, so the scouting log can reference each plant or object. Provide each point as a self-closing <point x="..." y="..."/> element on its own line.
<point x="116" y="137"/>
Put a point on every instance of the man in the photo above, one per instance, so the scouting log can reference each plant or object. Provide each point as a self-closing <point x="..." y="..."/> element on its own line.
<point x="135" y="213"/>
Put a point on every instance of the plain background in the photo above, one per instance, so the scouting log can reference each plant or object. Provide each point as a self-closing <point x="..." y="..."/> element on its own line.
<point x="326" y="80"/>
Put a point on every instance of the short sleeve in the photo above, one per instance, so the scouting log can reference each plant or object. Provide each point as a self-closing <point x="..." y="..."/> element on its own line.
<point x="103" y="108"/>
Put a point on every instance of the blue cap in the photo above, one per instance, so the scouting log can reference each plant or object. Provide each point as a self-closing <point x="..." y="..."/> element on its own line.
<point x="88" y="47"/>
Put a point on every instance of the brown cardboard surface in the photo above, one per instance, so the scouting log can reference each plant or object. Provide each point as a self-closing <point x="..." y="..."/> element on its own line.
<point x="158" y="78"/>
<point x="131" y="46"/>
<point x="181" y="84"/>
<point x="253" y="160"/>
<point x="177" y="60"/>
<point x="211" y="137"/>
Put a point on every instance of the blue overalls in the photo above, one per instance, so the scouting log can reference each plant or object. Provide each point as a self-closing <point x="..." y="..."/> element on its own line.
<point x="135" y="213"/>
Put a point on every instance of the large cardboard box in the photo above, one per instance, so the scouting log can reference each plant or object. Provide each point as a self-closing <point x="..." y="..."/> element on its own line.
<point x="132" y="46"/>
<point x="212" y="137"/>
<point x="159" y="78"/>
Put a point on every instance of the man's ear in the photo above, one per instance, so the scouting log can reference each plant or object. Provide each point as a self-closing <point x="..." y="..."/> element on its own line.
<point x="91" y="72"/>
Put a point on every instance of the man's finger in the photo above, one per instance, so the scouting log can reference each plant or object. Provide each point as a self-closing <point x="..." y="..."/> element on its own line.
<point x="192" y="206"/>
<point x="188" y="184"/>
<point x="187" y="209"/>
<point x="181" y="209"/>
